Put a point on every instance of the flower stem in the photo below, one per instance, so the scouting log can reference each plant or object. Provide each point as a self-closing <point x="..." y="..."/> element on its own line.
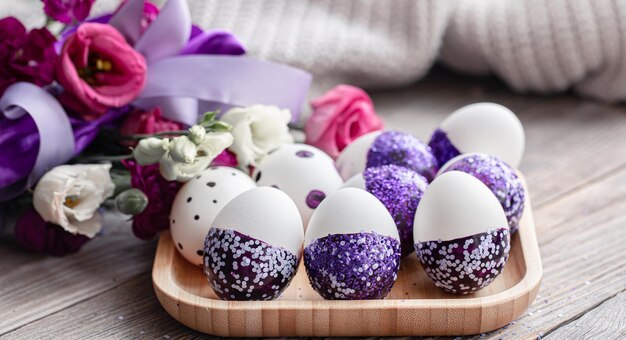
<point x="102" y="158"/>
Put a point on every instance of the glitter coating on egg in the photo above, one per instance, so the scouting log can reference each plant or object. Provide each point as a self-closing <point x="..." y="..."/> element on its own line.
<point x="353" y="266"/>
<point x="500" y="178"/>
<point x="198" y="202"/>
<point x="461" y="233"/>
<point x="383" y="148"/>
<point x="403" y="149"/>
<point x="303" y="172"/>
<point x="487" y="128"/>
<point x="248" y="269"/>
<point x="254" y="245"/>
<point x="352" y="247"/>
<point x="400" y="190"/>
<point x="465" y="265"/>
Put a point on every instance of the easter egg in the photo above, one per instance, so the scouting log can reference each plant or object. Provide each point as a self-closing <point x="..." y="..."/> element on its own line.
<point x="198" y="202"/>
<point x="352" y="247"/>
<point x="399" y="190"/>
<point x="500" y="178"/>
<point x="303" y="172"/>
<point x="461" y="233"/>
<point x="389" y="147"/>
<point x="254" y="245"/>
<point x="487" y="128"/>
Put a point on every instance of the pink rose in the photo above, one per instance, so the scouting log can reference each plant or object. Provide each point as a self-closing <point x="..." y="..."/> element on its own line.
<point x="146" y="122"/>
<point x="99" y="70"/>
<point x="339" y="117"/>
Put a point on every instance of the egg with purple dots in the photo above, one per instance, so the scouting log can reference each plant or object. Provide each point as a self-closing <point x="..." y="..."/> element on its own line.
<point x="500" y="178"/>
<point x="198" y="202"/>
<point x="254" y="245"/>
<point x="399" y="190"/>
<point x="303" y="172"/>
<point x="389" y="147"/>
<point x="461" y="233"/>
<point x="352" y="247"/>
<point x="487" y="128"/>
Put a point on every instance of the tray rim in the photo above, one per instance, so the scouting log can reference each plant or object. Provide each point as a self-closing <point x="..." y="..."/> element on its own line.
<point x="166" y="288"/>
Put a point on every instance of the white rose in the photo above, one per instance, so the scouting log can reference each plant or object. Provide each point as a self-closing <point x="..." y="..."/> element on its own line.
<point x="70" y="195"/>
<point x="258" y="130"/>
<point x="210" y="147"/>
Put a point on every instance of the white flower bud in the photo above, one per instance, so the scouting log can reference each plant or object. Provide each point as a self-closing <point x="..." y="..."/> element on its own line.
<point x="150" y="150"/>
<point x="183" y="150"/>
<point x="196" y="134"/>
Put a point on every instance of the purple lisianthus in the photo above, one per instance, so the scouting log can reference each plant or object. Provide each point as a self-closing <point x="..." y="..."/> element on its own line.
<point x="34" y="234"/>
<point x="67" y="11"/>
<point x="160" y="193"/>
<point x="25" y="56"/>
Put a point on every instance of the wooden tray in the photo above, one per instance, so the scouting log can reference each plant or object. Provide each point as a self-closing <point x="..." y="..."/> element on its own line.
<point x="414" y="306"/>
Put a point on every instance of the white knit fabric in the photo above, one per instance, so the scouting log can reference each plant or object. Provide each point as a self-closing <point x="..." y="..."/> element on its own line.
<point x="542" y="46"/>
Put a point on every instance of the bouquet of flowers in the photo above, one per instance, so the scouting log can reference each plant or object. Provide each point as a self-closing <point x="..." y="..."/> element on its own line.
<point x="118" y="110"/>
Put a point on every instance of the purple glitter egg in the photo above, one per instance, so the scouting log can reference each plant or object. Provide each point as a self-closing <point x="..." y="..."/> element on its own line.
<point x="441" y="147"/>
<point x="240" y="267"/>
<point x="400" y="191"/>
<point x="353" y="266"/>
<point x="499" y="178"/>
<point x="467" y="264"/>
<point x="405" y="150"/>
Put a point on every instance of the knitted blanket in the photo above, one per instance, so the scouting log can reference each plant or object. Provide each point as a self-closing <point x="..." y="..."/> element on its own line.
<point x="542" y="46"/>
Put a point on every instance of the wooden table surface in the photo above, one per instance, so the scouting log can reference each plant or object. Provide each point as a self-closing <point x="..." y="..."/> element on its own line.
<point x="575" y="165"/>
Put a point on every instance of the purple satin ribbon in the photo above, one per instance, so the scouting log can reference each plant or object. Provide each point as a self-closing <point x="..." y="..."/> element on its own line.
<point x="55" y="131"/>
<point x="184" y="86"/>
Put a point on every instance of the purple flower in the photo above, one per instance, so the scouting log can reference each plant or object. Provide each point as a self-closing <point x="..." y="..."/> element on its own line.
<point x="160" y="193"/>
<point x="25" y="56"/>
<point x="67" y="11"/>
<point x="34" y="234"/>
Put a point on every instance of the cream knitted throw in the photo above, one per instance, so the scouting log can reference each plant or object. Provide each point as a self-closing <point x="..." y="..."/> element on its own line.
<point x="542" y="46"/>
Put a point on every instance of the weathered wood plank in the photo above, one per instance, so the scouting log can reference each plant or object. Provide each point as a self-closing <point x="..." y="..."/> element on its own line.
<point x="130" y="310"/>
<point x="607" y="321"/>
<point x="581" y="237"/>
<point x="36" y="286"/>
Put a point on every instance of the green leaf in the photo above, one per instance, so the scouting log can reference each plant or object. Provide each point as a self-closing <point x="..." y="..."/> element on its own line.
<point x="208" y="117"/>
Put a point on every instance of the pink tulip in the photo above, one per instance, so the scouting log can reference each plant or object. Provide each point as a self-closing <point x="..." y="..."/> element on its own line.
<point x="339" y="117"/>
<point x="99" y="70"/>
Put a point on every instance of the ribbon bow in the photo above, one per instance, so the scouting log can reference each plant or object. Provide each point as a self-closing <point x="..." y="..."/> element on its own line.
<point x="180" y="81"/>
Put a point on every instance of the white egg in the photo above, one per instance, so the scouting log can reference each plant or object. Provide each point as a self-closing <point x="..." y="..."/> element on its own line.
<point x="266" y="214"/>
<point x="348" y="211"/>
<point x="353" y="158"/>
<point x="254" y="246"/>
<point x="459" y="220"/>
<point x="487" y="128"/>
<point x="198" y="202"/>
<point x="352" y="247"/>
<point x="303" y="172"/>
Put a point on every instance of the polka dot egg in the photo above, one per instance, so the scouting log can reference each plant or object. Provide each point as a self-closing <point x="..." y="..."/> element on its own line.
<point x="303" y="172"/>
<point x="254" y="246"/>
<point x="461" y="233"/>
<point x="198" y="202"/>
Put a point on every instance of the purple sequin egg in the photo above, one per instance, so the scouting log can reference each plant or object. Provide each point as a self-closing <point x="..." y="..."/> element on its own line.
<point x="254" y="245"/>
<point x="400" y="190"/>
<point x="487" y="128"/>
<point x="352" y="247"/>
<point x="500" y="178"/>
<point x="383" y="148"/>
<point x="402" y="149"/>
<point x="461" y="234"/>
